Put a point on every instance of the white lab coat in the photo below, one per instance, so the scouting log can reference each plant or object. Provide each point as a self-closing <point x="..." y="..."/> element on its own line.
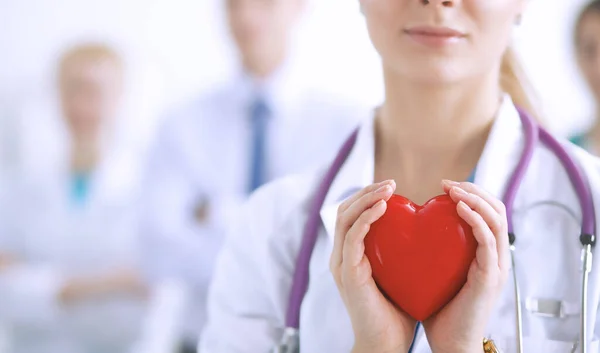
<point x="249" y="297"/>
<point x="202" y="152"/>
<point x="53" y="240"/>
<point x="4" y="336"/>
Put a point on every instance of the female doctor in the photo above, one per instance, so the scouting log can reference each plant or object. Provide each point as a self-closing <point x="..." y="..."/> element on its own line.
<point x="70" y="281"/>
<point x="452" y="89"/>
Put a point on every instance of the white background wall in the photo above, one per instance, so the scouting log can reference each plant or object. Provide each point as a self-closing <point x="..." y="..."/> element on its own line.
<point x="545" y="43"/>
<point x="176" y="48"/>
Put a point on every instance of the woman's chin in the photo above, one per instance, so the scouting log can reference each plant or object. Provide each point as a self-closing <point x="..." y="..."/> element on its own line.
<point x="431" y="72"/>
<point x="438" y="77"/>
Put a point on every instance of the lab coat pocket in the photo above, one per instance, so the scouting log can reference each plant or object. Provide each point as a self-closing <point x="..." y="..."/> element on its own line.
<point x="536" y="344"/>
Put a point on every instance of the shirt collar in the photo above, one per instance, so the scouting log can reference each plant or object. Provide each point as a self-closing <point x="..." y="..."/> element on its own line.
<point x="497" y="162"/>
<point x="281" y="90"/>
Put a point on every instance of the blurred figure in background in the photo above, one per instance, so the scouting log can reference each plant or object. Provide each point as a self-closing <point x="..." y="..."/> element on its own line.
<point x="216" y="150"/>
<point x="68" y="265"/>
<point x="587" y="46"/>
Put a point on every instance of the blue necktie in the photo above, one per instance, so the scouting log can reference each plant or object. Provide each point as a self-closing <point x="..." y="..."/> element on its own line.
<point x="259" y="116"/>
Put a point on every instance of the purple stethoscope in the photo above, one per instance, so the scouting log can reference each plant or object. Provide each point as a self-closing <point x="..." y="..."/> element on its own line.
<point x="533" y="133"/>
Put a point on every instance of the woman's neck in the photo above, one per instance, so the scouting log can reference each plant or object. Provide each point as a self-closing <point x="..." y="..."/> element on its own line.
<point x="426" y="133"/>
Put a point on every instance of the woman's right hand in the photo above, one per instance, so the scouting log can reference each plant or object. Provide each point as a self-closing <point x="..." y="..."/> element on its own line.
<point x="378" y="325"/>
<point x="6" y="261"/>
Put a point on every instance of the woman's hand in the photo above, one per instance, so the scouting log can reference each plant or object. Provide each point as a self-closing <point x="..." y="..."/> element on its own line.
<point x="460" y="325"/>
<point x="377" y="324"/>
<point x="6" y="261"/>
<point x="118" y="282"/>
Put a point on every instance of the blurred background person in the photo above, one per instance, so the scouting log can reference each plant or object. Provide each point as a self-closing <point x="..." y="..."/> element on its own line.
<point x="587" y="47"/>
<point x="211" y="153"/>
<point x="68" y="262"/>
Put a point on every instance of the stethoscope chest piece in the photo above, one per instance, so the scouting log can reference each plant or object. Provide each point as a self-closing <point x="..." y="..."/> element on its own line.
<point x="290" y="342"/>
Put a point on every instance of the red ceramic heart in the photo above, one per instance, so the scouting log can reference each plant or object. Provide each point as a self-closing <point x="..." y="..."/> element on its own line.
<point x="420" y="255"/>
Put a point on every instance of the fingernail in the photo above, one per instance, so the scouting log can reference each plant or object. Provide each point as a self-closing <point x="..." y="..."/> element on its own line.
<point x="384" y="190"/>
<point x="463" y="206"/>
<point x="450" y="182"/>
<point x="460" y="191"/>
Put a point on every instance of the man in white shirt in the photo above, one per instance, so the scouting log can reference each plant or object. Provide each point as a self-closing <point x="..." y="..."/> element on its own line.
<point x="212" y="153"/>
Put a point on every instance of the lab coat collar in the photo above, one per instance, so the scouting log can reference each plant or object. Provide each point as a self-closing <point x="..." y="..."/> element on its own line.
<point x="114" y="178"/>
<point x="497" y="162"/>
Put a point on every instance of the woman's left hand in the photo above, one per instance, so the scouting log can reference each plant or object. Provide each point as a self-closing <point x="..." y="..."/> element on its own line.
<point x="460" y="325"/>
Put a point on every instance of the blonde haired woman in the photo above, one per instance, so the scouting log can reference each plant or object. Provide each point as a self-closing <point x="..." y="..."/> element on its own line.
<point x="450" y="114"/>
<point x="72" y="284"/>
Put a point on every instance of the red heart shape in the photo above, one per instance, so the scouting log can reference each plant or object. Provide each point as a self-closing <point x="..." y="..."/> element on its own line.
<point x="420" y="255"/>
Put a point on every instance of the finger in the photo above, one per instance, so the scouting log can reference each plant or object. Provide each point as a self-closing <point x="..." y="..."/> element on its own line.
<point x="344" y="205"/>
<point x="354" y="247"/>
<point x="503" y="248"/>
<point x="487" y="255"/>
<point x="491" y="217"/>
<point x="477" y="190"/>
<point x="495" y="220"/>
<point x="348" y="218"/>
<point x="336" y="255"/>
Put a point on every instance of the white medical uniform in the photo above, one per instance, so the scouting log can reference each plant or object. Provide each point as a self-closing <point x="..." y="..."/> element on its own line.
<point x="249" y="297"/>
<point x="54" y="238"/>
<point x="4" y="336"/>
<point x="202" y="155"/>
